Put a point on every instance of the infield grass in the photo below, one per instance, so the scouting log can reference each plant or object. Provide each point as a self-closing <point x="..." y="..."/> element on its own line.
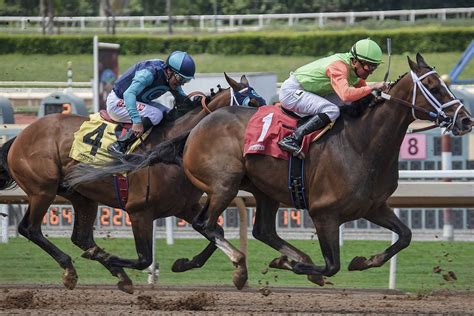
<point x="22" y="262"/>
<point x="17" y="67"/>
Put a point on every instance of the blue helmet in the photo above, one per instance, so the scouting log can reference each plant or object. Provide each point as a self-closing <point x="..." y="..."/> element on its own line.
<point x="181" y="63"/>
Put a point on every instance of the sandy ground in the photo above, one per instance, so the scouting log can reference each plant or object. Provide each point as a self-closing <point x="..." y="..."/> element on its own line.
<point x="48" y="300"/>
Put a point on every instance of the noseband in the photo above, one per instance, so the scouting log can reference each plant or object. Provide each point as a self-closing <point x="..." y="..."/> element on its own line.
<point x="440" y="118"/>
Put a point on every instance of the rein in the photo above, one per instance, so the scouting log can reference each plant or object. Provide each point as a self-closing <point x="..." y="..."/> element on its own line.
<point x="203" y="100"/>
<point x="439" y="117"/>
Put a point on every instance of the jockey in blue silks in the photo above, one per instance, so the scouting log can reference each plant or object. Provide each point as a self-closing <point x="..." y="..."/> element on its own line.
<point x="131" y="100"/>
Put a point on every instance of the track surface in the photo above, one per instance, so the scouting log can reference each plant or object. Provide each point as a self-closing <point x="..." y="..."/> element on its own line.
<point x="47" y="300"/>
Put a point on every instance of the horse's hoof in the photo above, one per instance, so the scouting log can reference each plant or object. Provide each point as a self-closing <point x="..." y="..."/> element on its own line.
<point x="239" y="278"/>
<point x="280" y="263"/>
<point x="358" y="264"/>
<point x="316" y="279"/>
<point x="125" y="286"/>
<point x="305" y="268"/>
<point x="70" y="278"/>
<point x="181" y="265"/>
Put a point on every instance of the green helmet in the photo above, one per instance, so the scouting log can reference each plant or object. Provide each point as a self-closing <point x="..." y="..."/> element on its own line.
<point x="367" y="50"/>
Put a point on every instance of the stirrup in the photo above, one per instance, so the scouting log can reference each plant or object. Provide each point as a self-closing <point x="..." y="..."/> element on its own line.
<point x="116" y="149"/>
<point x="299" y="154"/>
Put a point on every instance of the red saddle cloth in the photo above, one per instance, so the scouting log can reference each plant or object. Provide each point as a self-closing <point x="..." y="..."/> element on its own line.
<point x="266" y="127"/>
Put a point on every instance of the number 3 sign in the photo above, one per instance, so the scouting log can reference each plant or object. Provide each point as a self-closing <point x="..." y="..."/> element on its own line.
<point x="413" y="147"/>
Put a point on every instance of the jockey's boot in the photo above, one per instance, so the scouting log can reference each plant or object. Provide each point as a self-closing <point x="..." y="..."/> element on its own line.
<point x="122" y="144"/>
<point x="292" y="142"/>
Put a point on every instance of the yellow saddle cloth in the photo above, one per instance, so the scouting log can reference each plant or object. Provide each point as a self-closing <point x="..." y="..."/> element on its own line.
<point x="92" y="139"/>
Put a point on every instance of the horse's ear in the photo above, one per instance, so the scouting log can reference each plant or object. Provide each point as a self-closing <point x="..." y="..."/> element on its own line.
<point x="421" y="61"/>
<point x="231" y="82"/>
<point x="413" y="65"/>
<point x="244" y="81"/>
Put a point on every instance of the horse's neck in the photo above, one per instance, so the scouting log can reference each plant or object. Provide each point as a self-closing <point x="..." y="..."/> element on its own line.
<point x="380" y="132"/>
<point x="168" y="130"/>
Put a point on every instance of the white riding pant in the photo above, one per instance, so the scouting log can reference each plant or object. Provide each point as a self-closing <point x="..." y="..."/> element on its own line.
<point x="294" y="98"/>
<point x="118" y="112"/>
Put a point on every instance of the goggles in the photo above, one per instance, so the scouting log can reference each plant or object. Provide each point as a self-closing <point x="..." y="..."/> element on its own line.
<point x="367" y="66"/>
<point x="181" y="80"/>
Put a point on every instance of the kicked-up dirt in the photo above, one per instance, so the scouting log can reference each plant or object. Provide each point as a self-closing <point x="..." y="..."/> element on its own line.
<point x="47" y="300"/>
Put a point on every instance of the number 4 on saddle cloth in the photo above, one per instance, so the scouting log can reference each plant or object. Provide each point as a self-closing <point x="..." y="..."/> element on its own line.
<point x="266" y="127"/>
<point x="94" y="136"/>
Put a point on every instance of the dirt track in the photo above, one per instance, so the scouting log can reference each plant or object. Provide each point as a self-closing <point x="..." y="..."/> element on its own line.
<point x="49" y="300"/>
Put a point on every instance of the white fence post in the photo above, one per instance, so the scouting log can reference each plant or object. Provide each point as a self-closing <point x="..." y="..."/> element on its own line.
<point x="153" y="272"/>
<point x="392" y="279"/>
<point x="341" y="235"/>
<point x="169" y="230"/>
<point x="4" y="224"/>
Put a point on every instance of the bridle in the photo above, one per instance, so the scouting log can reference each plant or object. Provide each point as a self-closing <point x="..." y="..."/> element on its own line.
<point x="237" y="98"/>
<point x="439" y="117"/>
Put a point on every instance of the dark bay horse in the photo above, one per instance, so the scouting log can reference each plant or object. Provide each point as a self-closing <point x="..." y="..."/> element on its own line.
<point x="350" y="172"/>
<point x="38" y="161"/>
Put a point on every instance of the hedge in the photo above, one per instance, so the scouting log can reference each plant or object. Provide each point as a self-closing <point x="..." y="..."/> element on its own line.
<point x="315" y="43"/>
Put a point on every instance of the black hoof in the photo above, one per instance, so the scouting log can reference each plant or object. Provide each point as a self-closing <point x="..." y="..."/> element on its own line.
<point x="181" y="265"/>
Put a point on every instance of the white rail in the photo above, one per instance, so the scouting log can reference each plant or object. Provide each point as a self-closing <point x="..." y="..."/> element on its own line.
<point x="227" y="22"/>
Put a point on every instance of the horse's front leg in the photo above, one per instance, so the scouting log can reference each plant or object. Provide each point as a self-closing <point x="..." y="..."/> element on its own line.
<point x="385" y="217"/>
<point x="85" y="213"/>
<point x="327" y="228"/>
<point x="264" y="230"/>
<point x="142" y="227"/>
<point x="198" y="261"/>
<point x="184" y="264"/>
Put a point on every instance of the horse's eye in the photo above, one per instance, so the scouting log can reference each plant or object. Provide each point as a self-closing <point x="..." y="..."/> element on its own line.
<point x="435" y="90"/>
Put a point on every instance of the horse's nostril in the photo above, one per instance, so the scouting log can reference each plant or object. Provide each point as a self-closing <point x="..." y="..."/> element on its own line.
<point x="467" y="121"/>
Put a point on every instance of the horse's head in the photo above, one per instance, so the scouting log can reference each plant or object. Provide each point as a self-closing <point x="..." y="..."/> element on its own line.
<point x="440" y="105"/>
<point x="241" y="93"/>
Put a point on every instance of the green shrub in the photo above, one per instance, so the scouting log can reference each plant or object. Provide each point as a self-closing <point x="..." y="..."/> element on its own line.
<point x="303" y="43"/>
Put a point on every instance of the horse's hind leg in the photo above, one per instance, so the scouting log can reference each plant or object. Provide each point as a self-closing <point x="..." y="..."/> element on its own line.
<point x="206" y="224"/>
<point x="30" y="227"/>
<point x="85" y="214"/>
<point x="385" y="217"/>
<point x="265" y="231"/>
<point x="184" y="264"/>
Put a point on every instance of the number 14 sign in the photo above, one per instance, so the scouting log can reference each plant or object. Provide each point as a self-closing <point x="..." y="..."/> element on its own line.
<point x="413" y="147"/>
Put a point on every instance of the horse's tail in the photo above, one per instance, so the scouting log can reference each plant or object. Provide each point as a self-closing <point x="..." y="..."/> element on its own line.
<point x="6" y="181"/>
<point x="168" y="152"/>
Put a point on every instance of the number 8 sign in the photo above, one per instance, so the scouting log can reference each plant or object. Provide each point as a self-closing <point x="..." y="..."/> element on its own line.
<point x="413" y="147"/>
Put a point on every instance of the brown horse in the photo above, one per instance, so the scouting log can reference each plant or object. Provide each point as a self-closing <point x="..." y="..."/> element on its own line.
<point x="350" y="172"/>
<point x="38" y="161"/>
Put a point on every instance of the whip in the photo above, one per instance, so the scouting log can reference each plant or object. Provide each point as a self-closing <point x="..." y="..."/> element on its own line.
<point x="389" y="51"/>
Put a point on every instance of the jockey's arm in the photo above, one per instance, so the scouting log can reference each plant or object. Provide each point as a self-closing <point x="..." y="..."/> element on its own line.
<point x="338" y="72"/>
<point x="141" y="80"/>
<point x="179" y="96"/>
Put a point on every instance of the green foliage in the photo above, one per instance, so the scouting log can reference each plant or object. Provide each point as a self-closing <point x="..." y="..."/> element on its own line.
<point x="186" y="7"/>
<point x="297" y="44"/>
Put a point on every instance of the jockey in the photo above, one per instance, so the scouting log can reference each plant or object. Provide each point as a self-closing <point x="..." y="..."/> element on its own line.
<point x="320" y="87"/>
<point x="131" y="100"/>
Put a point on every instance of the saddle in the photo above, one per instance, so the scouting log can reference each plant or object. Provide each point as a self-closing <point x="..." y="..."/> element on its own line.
<point x="121" y="128"/>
